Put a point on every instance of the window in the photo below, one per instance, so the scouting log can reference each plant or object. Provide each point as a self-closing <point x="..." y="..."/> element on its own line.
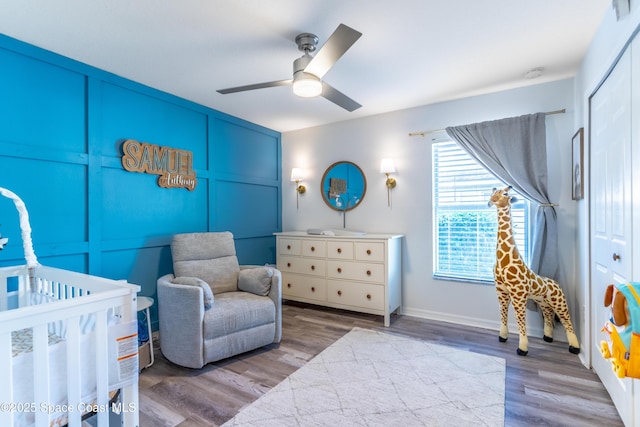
<point x="465" y="226"/>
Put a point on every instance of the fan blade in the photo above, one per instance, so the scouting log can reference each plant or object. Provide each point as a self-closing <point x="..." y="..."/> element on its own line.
<point x="337" y="44"/>
<point x="255" y="86"/>
<point x="339" y="98"/>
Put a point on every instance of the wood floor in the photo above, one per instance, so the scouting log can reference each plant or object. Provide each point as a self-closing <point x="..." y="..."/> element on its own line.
<point x="549" y="387"/>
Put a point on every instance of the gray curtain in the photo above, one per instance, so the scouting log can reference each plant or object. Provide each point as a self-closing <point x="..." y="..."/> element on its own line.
<point x="515" y="151"/>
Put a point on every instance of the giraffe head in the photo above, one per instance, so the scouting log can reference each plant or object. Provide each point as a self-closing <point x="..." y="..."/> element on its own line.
<point x="500" y="198"/>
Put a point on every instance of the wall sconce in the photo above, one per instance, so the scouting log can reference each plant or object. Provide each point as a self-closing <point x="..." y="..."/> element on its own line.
<point x="296" y="176"/>
<point x="387" y="167"/>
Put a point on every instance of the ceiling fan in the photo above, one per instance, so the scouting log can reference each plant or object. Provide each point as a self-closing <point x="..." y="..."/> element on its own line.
<point x="308" y="70"/>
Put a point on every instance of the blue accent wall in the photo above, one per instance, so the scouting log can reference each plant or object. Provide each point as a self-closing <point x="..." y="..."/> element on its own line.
<point x="62" y="125"/>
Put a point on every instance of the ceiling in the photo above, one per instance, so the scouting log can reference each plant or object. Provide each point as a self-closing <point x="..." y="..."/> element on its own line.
<point x="411" y="53"/>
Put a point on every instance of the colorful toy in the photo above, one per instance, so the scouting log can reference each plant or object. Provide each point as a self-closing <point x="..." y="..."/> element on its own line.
<point x="622" y="347"/>
<point x="515" y="283"/>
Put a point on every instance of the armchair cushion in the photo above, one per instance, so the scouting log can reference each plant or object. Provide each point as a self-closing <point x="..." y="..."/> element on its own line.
<point x="221" y="273"/>
<point x="208" y="256"/>
<point x="255" y="280"/>
<point x="194" y="281"/>
<point x="236" y="313"/>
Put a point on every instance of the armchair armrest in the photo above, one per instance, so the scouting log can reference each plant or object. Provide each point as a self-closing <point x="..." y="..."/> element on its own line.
<point x="275" y="293"/>
<point x="181" y="313"/>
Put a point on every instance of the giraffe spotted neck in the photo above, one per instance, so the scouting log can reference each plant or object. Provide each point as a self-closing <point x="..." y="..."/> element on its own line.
<point x="506" y="249"/>
<point x="506" y="243"/>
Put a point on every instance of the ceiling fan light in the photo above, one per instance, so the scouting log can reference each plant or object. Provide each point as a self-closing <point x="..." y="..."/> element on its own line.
<point x="306" y="85"/>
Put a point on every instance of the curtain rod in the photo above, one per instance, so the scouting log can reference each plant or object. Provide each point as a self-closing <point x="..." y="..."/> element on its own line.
<point x="426" y="132"/>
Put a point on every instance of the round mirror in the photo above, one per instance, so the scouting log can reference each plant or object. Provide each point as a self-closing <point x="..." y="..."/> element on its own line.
<point x="343" y="186"/>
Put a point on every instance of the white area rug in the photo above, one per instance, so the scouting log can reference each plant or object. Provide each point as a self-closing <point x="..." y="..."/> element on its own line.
<point x="370" y="378"/>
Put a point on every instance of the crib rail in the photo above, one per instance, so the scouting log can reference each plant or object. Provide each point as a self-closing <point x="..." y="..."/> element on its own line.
<point x="71" y="296"/>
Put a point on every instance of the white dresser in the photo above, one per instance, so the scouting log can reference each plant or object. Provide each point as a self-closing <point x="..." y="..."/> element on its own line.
<point x="359" y="273"/>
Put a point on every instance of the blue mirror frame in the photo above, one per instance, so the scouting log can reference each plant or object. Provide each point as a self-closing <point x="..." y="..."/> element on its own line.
<point x="343" y="186"/>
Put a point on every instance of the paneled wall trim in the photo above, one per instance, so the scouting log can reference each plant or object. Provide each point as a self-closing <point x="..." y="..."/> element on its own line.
<point x="62" y="127"/>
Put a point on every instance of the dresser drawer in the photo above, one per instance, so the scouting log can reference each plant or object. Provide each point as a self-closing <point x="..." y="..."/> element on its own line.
<point x="362" y="271"/>
<point x="289" y="246"/>
<point x="292" y="264"/>
<point x="370" y="251"/>
<point x="314" y="248"/>
<point x="295" y="286"/>
<point x="340" y="249"/>
<point x="359" y="295"/>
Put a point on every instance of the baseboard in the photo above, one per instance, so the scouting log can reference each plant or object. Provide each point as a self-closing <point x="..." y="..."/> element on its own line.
<point x="472" y="321"/>
<point x="533" y="331"/>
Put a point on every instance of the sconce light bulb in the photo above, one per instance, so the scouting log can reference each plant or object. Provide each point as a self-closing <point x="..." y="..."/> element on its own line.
<point x="387" y="166"/>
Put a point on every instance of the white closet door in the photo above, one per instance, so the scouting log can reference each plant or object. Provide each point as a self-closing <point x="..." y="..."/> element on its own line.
<point x="611" y="233"/>
<point x="635" y="187"/>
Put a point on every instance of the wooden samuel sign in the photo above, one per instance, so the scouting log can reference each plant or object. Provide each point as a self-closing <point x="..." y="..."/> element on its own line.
<point x="174" y="166"/>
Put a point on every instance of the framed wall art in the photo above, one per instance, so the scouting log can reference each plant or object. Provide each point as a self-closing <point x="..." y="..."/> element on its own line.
<point x="577" y="178"/>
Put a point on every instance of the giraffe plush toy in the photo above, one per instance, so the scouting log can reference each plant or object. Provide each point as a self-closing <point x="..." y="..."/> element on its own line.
<point x="516" y="283"/>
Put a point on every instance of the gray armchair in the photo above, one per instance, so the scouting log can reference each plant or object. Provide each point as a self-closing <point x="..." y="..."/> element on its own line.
<point x="212" y="308"/>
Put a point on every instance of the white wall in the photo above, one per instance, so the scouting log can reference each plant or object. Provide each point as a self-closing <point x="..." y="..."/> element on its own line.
<point x="607" y="45"/>
<point x="366" y="141"/>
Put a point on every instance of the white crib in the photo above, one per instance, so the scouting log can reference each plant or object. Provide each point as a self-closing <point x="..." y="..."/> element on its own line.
<point x="69" y="370"/>
<point x="68" y="344"/>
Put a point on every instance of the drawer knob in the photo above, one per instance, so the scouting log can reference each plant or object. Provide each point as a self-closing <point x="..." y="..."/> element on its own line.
<point x="313" y="289"/>
<point x="313" y="248"/>
<point x="368" y="251"/>
<point x="288" y="285"/>
<point x="368" y="272"/>
<point x="288" y="264"/>
<point x="339" y="293"/>
<point x="339" y="250"/>
<point x="313" y="267"/>
<point x="368" y="296"/>
<point x="288" y="247"/>
<point x="339" y="270"/>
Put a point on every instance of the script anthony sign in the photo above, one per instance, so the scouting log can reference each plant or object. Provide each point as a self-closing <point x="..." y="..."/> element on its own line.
<point x="174" y="166"/>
